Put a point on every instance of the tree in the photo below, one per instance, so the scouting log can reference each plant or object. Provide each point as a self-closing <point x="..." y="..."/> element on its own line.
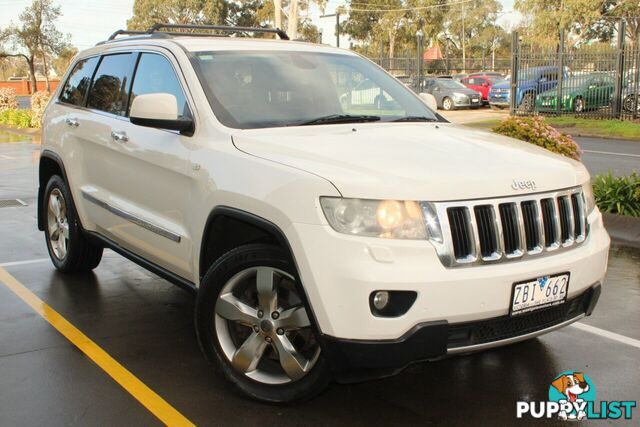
<point x="61" y="62"/>
<point x="149" y="12"/>
<point x="547" y="18"/>
<point x="36" y="35"/>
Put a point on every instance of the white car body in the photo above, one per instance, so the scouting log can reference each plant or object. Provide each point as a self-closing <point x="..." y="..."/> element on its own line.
<point x="163" y="179"/>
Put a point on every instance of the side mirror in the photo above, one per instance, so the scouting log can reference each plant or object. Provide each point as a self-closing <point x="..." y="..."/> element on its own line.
<point x="430" y="100"/>
<point x="158" y="110"/>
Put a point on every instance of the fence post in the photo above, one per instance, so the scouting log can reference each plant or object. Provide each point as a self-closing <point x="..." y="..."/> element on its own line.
<point x="560" y="73"/>
<point x="515" y="51"/>
<point x="619" y="84"/>
<point x="636" y="81"/>
<point x="419" y="35"/>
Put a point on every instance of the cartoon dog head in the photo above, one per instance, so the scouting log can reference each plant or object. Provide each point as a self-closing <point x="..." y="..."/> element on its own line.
<point x="571" y="385"/>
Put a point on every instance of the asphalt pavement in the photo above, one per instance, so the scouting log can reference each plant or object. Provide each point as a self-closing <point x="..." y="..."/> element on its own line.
<point x="146" y="325"/>
<point x="601" y="156"/>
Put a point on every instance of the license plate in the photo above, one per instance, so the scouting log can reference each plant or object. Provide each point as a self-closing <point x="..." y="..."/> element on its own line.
<point x="474" y="100"/>
<point x="498" y="95"/>
<point x="542" y="292"/>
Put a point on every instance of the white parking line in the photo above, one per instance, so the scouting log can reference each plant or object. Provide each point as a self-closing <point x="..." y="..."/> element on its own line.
<point x="611" y="154"/>
<point x="5" y="157"/>
<point x="606" y="334"/>
<point x="28" y="261"/>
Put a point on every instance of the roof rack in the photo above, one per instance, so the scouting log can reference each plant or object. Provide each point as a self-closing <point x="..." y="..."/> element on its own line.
<point x="155" y="29"/>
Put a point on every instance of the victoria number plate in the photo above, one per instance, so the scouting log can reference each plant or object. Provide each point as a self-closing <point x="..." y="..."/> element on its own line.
<point x="542" y="292"/>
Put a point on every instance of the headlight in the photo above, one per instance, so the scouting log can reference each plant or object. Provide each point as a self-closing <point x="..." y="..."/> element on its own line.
<point x="391" y="219"/>
<point x="590" y="201"/>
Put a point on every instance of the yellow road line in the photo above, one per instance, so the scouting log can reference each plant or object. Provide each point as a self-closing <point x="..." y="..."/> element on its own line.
<point x="143" y="394"/>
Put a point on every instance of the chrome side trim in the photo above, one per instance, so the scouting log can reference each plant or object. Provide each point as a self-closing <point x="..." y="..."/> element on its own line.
<point x="132" y="218"/>
<point x="492" y="344"/>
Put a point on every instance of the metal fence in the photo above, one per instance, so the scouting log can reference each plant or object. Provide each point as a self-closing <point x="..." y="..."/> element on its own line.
<point x="406" y="67"/>
<point x="598" y="81"/>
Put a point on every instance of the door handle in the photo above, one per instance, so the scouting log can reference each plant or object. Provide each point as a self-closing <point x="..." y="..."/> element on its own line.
<point x="119" y="136"/>
<point x="73" y="122"/>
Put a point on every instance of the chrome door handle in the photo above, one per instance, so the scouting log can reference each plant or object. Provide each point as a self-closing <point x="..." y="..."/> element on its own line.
<point x="73" y="122"/>
<point x="119" y="136"/>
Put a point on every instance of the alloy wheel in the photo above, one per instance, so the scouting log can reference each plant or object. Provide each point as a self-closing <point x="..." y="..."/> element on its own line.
<point x="58" y="224"/>
<point x="263" y="328"/>
<point x="579" y="105"/>
<point x="447" y="104"/>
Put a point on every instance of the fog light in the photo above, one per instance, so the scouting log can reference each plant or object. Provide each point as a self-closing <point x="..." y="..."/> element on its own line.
<point x="380" y="300"/>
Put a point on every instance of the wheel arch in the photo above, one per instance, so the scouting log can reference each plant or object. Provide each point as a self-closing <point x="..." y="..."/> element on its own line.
<point x="50" y="164"/>
<point x="225" y="215"/>
<point x="228" y="227"/>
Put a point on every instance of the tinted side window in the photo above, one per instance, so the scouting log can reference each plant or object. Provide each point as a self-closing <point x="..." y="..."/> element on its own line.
<point x="155" y="75"/>
<point x="110" y="89"/>
<point x="78" y="82"/>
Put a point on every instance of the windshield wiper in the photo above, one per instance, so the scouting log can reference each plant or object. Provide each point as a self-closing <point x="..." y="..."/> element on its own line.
<point x="337" y="118"/>
<point x="415" y="119"/>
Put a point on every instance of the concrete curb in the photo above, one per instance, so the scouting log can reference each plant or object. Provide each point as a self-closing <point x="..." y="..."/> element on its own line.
<point x="624" y="230"/>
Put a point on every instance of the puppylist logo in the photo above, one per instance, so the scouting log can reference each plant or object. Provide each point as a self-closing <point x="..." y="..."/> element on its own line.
<point x="572" y="397"/>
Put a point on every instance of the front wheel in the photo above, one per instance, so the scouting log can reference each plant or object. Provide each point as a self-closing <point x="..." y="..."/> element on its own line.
<point x="447" y="104"/>
<point x="253" y="325"/>
<point x="69" y="249"/>
<point x="578" y="105"/>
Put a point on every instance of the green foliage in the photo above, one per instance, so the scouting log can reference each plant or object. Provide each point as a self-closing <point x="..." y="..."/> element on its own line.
<point x="17" y="118"/>
<point x="618" y="195"/>
<point x="535" y="131"/>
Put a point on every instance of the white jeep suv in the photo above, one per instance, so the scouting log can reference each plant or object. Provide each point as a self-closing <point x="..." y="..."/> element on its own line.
<point x="325" y="236"/>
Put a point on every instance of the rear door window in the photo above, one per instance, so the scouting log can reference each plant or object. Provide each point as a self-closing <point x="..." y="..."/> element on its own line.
<point x="156" y="75"/>
<point x="78" y="83"/>
<point x="110" y="89"/>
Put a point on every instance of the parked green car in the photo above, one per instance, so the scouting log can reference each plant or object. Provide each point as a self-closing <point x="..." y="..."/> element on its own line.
<point x="579" y="93"/>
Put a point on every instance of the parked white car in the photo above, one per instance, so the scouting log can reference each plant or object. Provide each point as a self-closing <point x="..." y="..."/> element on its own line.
<point x="322" y="241"/>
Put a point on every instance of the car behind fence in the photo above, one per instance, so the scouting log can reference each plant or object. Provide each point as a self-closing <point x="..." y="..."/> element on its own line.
<point x="597" y="81"/>
<point x="589" y="80"/>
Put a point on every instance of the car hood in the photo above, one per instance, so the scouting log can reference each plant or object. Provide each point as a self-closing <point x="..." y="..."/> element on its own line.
<point x="505" y="84"/>
<point x="413" y="161"/>
<point x="465" y="91"/>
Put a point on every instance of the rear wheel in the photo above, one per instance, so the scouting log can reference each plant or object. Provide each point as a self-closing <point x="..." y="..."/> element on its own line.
<point x="253" y="325"/>
<point x="447" y="104"/>
<point x="578" y="105"/>
<point x="69" y="249"/>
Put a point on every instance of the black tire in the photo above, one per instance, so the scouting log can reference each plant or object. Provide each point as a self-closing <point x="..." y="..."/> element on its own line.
<point x="81" y="254"/>
<point x="226" y="267"/>
<point x="447" y="104"/>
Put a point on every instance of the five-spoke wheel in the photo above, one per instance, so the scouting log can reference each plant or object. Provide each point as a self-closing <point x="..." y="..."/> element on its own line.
<point x="253" y="323"/>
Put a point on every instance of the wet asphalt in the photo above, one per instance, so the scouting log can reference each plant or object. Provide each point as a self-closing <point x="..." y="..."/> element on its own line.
<point x="146" y="324"/>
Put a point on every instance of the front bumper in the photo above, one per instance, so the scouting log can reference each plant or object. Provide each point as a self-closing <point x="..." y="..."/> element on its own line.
<point x="353" y="360"/>
<point x="467" y="102"/>
<point x="339" y="273"/>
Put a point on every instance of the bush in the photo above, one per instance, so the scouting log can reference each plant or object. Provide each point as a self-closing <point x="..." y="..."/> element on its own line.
<point x="39" y="101"/>
<point x="618" y="195"/>
<point x="18" y="118"/>
<point x="8" y="99"/>
<point x="535" y="131"/>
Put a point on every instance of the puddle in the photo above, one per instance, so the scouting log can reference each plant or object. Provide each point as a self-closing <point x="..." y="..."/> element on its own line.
<point x="12" y="137"/>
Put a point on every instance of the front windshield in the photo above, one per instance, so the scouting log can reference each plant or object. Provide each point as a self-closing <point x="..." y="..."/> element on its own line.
<point x="250" y="89"/>
<point x="451" y="84"/>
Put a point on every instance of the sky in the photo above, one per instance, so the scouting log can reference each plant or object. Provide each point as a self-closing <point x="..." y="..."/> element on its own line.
<point x="90" y="21"/>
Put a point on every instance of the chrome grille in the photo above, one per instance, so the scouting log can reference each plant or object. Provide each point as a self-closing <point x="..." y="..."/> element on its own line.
<point x="504" y="229"/>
